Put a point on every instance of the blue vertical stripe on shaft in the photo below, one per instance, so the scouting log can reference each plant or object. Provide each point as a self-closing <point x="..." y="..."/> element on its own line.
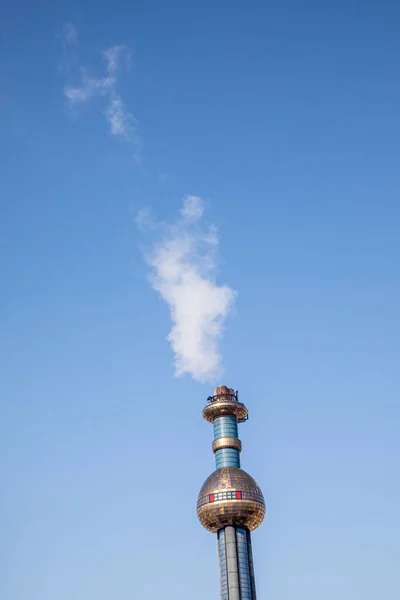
<point x="251" y="563"/>
<point x="245" y="566"/>
<point x="223" y="565"/>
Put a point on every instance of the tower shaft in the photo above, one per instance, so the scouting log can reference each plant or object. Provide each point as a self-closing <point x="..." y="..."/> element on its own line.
<point x="236" y="564"/>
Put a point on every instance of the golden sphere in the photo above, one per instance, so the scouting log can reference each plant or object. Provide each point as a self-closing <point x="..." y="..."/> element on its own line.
<point x="230" y="497"/>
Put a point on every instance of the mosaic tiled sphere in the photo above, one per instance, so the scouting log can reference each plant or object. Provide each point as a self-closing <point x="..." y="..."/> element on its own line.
<point x="229" y="496"/>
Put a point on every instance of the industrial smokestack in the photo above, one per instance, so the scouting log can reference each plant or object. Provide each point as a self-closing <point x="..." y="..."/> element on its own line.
<point x="230" y="502"/>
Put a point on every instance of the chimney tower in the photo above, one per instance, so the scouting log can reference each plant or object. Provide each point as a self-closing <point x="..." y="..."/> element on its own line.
<point x="230" y="502"/>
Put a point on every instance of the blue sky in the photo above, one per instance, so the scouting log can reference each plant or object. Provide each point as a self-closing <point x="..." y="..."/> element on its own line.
<point x="284" y="119"/>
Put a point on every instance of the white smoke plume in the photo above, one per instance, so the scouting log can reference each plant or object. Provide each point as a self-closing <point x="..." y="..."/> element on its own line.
<point x="183" y="271"/>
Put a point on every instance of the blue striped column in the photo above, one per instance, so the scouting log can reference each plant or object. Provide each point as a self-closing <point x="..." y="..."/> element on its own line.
<point x="236" y="564"/>
<point x="226" y="427"/>
<point x="246" y="577"/>
<point x="222" y="565"/>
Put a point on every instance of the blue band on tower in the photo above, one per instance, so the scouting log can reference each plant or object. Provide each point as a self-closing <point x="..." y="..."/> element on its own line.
<point x="227" y="457"/>
<point x="225" y="427"/>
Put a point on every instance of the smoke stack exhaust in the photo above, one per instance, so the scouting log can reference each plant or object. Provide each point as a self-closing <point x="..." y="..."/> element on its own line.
<point x="183" y="271"/>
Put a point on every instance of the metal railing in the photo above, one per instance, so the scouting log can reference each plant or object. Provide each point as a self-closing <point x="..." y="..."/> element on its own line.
<point x="234" y="396"/>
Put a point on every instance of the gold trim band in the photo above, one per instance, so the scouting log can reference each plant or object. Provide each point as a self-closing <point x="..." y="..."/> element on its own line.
<point x="227" y="442"/>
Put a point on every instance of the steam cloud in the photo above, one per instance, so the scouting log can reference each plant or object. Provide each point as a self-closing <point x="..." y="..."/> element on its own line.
<point x="183" y="267"/>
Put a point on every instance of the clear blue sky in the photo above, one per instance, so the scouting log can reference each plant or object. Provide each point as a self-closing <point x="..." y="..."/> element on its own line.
<point x="284" y="116"/>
